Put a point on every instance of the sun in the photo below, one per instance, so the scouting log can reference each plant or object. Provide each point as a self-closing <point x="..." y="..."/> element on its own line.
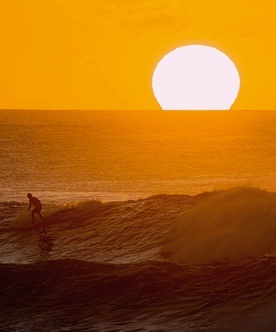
<point x="196" y="77"/>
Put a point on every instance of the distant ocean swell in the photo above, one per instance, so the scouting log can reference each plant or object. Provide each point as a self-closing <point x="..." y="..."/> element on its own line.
<point x="168" y="262"/>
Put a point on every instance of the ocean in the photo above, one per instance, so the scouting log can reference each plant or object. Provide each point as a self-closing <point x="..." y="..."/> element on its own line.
<point x="156" y="221"/>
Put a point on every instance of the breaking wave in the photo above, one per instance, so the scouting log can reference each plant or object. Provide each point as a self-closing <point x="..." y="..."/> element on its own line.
<point x="228" y="226"/>
<point x="211" y="228"/>
<point x="167" y="262"/>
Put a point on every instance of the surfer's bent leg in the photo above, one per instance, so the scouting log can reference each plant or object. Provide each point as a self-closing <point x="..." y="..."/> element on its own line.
<point x="38" y="212"/>
<point x="33" y="212"/>
<point x="40" y="216"/>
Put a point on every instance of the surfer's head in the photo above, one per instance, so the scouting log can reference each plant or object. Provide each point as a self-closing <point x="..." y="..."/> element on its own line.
<point x="29" y="195"/>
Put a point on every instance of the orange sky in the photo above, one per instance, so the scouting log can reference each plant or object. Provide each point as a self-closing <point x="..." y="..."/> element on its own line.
<point x="86" y="54"/>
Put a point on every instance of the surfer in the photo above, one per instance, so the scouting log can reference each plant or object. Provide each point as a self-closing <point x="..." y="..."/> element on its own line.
<point x="37" y="207"/>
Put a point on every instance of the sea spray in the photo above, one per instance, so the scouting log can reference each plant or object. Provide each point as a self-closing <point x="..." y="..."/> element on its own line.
<point x="228" y="226"/>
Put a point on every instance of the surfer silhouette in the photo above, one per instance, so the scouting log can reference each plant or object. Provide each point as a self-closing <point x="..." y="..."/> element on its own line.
<point x="37" y="207"/>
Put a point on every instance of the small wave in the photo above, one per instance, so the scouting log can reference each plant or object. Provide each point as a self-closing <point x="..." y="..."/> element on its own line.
<point x="151" y="278"/>
<point x="8" y="212"/>
<point x="96" y="293"/>
<point x="53" y="214"/>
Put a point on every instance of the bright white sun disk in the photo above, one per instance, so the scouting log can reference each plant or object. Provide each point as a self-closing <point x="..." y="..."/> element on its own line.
<point x="196" y="77"/>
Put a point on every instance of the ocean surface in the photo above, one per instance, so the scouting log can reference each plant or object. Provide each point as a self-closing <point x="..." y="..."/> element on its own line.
<point x="156" y="221"/>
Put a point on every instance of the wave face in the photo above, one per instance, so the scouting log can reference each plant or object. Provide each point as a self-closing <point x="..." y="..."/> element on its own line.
<point x="115" y="232"/>
<point x="212" y="228"/>
<point x="168" y="262"/>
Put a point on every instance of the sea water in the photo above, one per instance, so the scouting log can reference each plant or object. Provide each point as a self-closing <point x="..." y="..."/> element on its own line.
<point x="115" y="155"/>
<point x="156" y="221"/>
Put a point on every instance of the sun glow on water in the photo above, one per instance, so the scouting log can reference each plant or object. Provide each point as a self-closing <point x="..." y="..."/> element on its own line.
<point x="196" y="77"/>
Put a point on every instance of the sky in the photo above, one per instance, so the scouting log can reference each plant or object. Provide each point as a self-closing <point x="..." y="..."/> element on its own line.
<point x="86" y="54"/>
